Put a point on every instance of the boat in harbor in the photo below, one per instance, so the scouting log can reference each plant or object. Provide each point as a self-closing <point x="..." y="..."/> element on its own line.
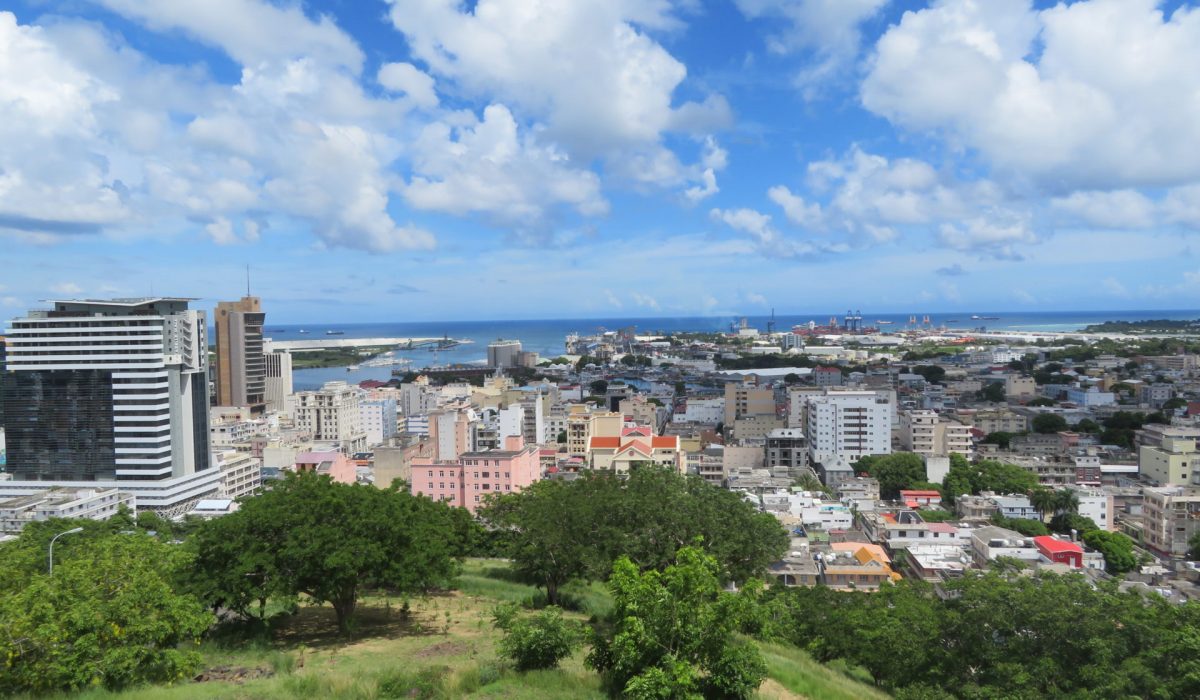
<point x="303" y="331"/>
<point x="335" y="332"/>
<point x="985" y="318"/>
<point x="352" y="368"/>
<point x="884" y="323"/>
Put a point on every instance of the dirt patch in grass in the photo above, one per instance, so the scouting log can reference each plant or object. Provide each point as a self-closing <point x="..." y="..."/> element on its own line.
<point x="446" y="648"/>
<point x="232" y="674"/>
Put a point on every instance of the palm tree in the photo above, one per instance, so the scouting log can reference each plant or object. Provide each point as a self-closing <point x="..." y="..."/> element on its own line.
<point x="1044" y="500"/>
<point x="1066" y="501"/>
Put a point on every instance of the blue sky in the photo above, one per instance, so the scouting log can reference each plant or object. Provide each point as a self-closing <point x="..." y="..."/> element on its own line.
<point x="433" y="159"/>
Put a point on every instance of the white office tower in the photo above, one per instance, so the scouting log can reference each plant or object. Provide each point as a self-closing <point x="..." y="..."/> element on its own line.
<point x="110" y="391"/>
<point x="848" y="425"/>
<point x="278" y="377"/>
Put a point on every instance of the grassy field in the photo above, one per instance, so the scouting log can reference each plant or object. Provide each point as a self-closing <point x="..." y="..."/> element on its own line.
<point x="444" y="647"/>
<point x="335" y="357"/>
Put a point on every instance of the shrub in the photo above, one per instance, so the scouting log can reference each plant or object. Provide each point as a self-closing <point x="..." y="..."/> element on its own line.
<point x="537" y="641"/>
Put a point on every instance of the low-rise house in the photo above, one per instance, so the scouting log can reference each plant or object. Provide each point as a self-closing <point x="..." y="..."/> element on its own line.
<point x="990" y="543"/>
<point x="915" y="498"/>
<point x="856" y="566"/>
<point x="1053" y="549"/>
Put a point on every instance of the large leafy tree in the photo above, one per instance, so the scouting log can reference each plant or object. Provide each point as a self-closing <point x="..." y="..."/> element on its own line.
<point x="1116" y="547"/>
<point x="986" y="475"/>
<point x="577" y="529"/>
<point x="1049" y="423"/>
<point x="310" y="535"/>
<point x="900" y="470"/>
<point x="671" y="633"/>
<point x="109" y="616"/>
<point x="551" y="524"/>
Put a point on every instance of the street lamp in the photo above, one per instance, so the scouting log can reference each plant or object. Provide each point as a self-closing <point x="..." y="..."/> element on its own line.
<point x="72" y="531"/>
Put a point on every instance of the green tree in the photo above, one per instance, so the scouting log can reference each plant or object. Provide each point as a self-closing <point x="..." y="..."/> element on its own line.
<point x="1174" y="403"/>
<point x="671" y="634"/>
<point x="329" y="541"/>
<point x="548" y="520"/>
<point x="1194" y="547"/>
<point x="1087" y="425"/>
<point x="1025" y="526"/>
<point x="1117" y="549"/>
<point x="932" y="373"/>
<point x="598" y="387"/>
<point x="791" y="378"/>
<point x="565" y="530"/>
<point x="1044" y="501"/>
<point x="999" y="438"/>
<point x="899" y="470"/>
<point x="985" y="475"/>
<point x="1049" y="423"/>
<point x="536" y="642"/>
<point x="110" y="616"/>
<point x="993" y="392"/>
<point x="1066" y="501"/>
<point x="1064" y="523"/>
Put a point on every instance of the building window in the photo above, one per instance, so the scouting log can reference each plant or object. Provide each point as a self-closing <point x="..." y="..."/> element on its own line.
<point x="430" y="472"/>
<point x="431" y="486"/>
<point x="486" y="474"/>
<point x="477" y="499"/>
<point x="442" y="485"/>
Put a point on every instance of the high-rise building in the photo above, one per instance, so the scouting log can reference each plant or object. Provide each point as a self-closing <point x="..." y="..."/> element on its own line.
<point x="112" y="391"/>
<point x="241" y="369"/>
<point x="504" y="353"/>
<point x="848" y="425"/>
<point x="278" y="377"/>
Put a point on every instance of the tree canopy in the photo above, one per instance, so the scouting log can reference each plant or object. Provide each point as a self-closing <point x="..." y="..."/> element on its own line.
<point x="576" y="529"/>
<point x="1048" y="423"/>
<point x="326" y="540"/>
<point x="897" y="471"/>
<point x="997" y="635"/>
<point x="671" y="633"/>
<point x="110" y="615"/>
<point x="985" y="475"/>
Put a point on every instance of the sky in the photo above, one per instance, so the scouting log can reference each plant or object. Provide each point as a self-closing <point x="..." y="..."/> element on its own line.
<point x="508" y="159"/>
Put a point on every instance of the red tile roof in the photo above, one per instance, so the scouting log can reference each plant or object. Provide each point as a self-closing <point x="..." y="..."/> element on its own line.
<point x="605" y="443"/>
<point x="669" y="442"/>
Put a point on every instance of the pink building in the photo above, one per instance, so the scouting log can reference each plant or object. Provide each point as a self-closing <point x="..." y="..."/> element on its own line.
<point x="334" y="464"/>
<point x="465" y="481"/>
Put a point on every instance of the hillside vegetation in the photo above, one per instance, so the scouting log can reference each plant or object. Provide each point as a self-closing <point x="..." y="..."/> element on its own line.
<point x="444" y="648"/>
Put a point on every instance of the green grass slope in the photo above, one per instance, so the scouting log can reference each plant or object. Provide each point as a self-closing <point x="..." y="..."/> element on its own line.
<point x="444" y="647"/>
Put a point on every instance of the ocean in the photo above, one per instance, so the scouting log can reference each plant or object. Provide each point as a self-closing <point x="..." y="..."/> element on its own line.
<point x="546" y="337"/>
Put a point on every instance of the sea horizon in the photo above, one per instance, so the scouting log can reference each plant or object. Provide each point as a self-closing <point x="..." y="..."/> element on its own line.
<point x="546" y="336"/>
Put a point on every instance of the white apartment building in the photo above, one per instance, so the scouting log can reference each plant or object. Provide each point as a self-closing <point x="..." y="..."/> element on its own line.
<point x="848" y="425"/>
<point x="107" y="393"/>
<point x="241" y="474"/>
<point x="926" y="433"/>
<point x="92" y="504"/>
<point x="378" y="418"/>
<point x="332" y="414"/>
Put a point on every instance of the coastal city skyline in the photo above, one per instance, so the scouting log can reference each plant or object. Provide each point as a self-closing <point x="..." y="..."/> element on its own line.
<point x="431" y="160"/>
<point x="599" y="349"/>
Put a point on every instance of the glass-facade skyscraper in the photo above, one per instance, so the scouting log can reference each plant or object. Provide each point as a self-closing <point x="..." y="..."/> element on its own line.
<point x="100" y="390"/>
